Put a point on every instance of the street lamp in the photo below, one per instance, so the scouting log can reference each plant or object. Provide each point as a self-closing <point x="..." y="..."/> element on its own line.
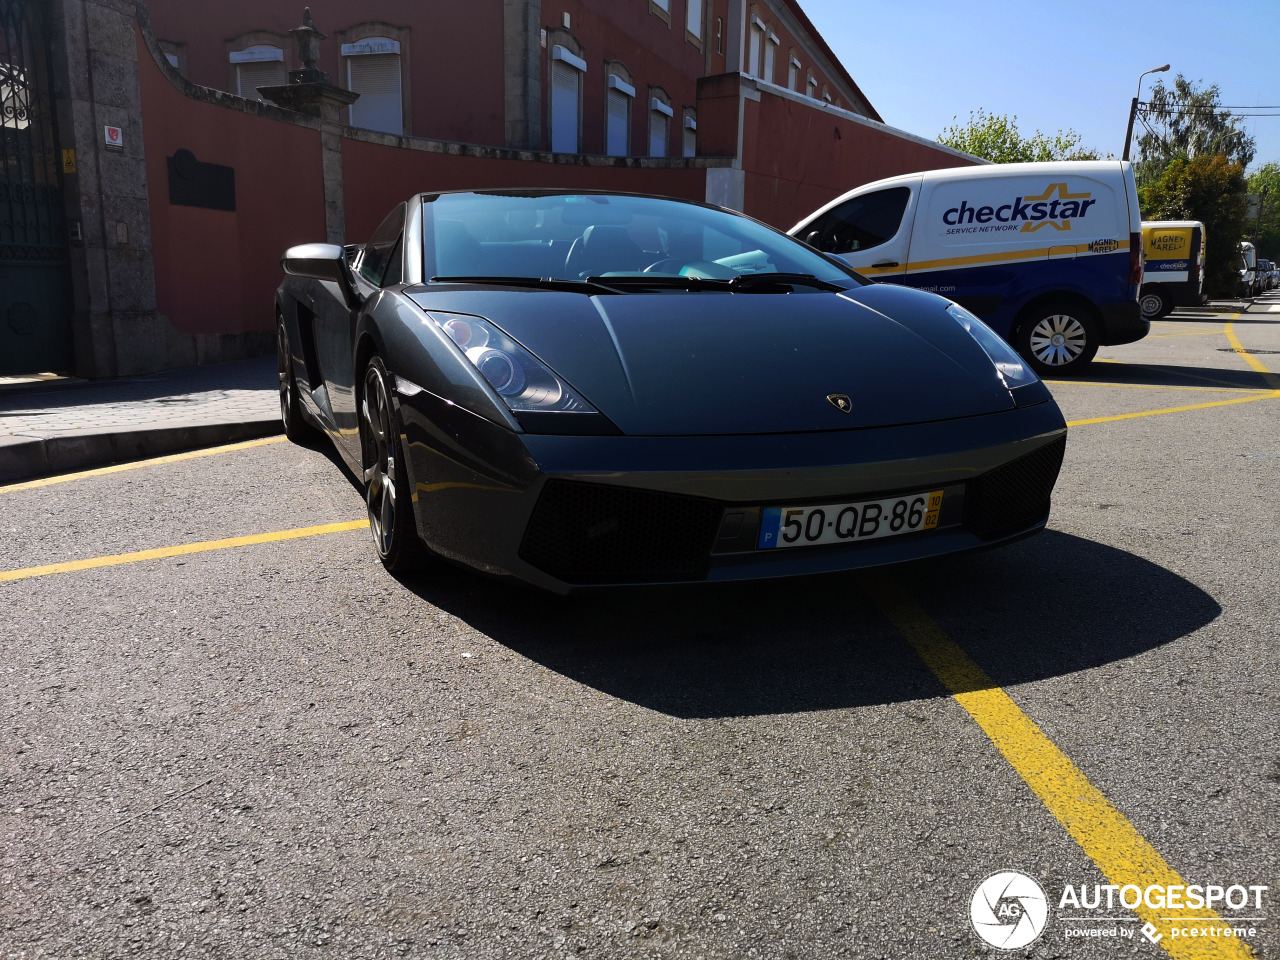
<point x="1133" y="110"/>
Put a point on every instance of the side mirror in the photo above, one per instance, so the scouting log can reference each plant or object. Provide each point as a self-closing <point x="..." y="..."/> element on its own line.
<point x="322" y="261"/>
<point x="316" y="261"/>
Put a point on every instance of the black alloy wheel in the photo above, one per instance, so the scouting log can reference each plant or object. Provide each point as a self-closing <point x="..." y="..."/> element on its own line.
<point x="295" y="427"/>
<point x="386" y="478"/>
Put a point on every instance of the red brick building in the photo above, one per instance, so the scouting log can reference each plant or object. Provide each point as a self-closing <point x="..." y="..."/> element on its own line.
<point x="163" y="185"/>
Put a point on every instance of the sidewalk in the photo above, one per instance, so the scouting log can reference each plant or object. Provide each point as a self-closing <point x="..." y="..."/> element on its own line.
<point x="57" y="426"/>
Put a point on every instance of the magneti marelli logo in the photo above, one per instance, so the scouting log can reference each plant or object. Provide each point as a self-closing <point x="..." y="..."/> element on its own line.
<point x="1009" y="910"/>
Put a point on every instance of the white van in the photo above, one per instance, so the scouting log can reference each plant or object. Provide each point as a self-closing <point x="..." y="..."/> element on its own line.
<point x="1048" y="254"/>
<point x="1248" y="270"/>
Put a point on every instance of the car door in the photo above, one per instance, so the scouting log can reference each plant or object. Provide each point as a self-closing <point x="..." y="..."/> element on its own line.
<point x="871" y="231"/>
<point x="336" y="326"/>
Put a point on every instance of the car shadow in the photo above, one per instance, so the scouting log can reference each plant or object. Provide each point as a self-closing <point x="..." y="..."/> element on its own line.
<point x="1050" y="605"/>
<point x="1167" y="375"/>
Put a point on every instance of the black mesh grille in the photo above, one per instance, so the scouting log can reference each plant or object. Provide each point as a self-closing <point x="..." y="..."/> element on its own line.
<point x="1015" y="495"/>
<point x="596" y="533"/>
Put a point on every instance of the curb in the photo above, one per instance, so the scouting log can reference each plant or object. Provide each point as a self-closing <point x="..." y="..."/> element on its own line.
<point x="40" y="457"/>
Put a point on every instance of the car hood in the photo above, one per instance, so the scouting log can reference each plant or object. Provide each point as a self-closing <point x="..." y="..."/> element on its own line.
<point x="710" y="363"/>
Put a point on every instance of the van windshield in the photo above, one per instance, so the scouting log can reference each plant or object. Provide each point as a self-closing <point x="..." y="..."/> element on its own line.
<point x="859" y="223"/>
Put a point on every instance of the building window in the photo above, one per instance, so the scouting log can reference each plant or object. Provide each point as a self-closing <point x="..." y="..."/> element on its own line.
<point x="662" y="8"/>
<point x="793" y="74"/>
<point x="693" y="19"/>
<point x="720" y="35"/>
<point x="770" y="55"/>
<point x="619" y="94"/>
<point x="755" y="44"/>
<point x="811" y="87"/>
<point x="826" y="94"/>
<point x="261" y="65"/>
<point x="660" y="114"/>
<point x="690" y="132"/>
<point x="176" y="54"/>
<point x="373" y="71"/>
<point x="567" y="69"/>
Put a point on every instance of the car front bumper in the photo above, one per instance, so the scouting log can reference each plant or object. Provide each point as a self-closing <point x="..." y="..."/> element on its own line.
<point x="567" y="513"/>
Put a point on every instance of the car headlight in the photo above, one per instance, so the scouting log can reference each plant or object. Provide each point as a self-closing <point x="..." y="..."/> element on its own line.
<point x="1013" y="370"/>
<point x="525" y="383"/>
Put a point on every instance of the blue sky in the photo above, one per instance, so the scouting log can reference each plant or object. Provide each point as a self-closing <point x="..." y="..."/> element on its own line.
<point x="1053" y="65"/>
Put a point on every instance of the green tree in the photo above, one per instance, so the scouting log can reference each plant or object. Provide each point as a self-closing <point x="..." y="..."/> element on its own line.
<point x="1186" y="120"/>
<point x="995" y="137"/>
<point x="1265" y="182"/>
<point x="1209" y="189"/>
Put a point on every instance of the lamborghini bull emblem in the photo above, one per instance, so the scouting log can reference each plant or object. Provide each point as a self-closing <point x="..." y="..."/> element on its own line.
<point x="841" y="402"/>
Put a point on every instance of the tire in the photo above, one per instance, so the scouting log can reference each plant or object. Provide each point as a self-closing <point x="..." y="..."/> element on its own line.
<point x="1058" y="339"/>
<point x="386" y="477"/>
<point x="296" y="427"/>
<point x="1155" y="304"/>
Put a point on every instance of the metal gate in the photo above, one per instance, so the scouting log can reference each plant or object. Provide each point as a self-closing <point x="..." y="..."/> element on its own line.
<point x="35" y="295"/>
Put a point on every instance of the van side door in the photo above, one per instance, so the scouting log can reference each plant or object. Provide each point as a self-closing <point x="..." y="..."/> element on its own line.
<point x="871" y="231"/>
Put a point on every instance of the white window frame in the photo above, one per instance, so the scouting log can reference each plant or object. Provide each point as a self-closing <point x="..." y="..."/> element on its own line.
<point x="572" y="61"/>
<point x="811" y="88"/>
<point x="693" y="18"/>
<point x="247" y="61"/>
<point x="616" y="88"/>
<point x="374" y="47"/>
<point x="660" y="115"/>
<point x="690" y="138"/>
<point x="793" y="75"/>
<point x="755" y="47"/>
<point x="770" y="55"/>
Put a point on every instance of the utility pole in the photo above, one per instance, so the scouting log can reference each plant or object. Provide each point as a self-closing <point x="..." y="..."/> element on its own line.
<point x="1128" y="134"/>
<point x="1133" y="111"/>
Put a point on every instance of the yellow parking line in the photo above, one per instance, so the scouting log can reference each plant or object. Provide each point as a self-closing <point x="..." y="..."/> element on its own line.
<point x="1273" y="381"/>
<point x="1269" y="395"/>
<point x="138" y="464"/>
<point x="1102" y="832"/>
<point x="180" y="550"/>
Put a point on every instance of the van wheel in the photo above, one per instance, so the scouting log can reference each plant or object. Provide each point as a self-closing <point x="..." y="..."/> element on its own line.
<point x="1058" y="339"/>
<point x="1155" y="305"/>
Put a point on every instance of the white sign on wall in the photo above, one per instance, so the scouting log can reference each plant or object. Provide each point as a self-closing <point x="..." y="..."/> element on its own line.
<point x="113" y="136"/>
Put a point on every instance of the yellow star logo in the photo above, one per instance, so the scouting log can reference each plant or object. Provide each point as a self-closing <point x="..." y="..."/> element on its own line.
<point x="1063" y="195"/>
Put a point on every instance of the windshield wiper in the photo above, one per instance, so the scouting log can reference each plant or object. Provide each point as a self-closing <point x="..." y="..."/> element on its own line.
<point x="745" y="281"/>
<point x="663" y="281"/>
<point x="739" y="284"/>
<point x="545" y="283"/>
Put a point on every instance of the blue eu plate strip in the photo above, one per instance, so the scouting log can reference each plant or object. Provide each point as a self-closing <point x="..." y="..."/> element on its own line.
<point x="769" y="523"/>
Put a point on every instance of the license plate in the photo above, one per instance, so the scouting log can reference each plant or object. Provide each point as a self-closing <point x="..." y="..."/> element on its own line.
<point x="848" y="522"/>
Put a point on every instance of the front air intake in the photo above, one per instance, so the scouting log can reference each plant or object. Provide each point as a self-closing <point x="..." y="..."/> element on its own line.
<point x="1013" y="496"/>
<point x="593" y="533"/>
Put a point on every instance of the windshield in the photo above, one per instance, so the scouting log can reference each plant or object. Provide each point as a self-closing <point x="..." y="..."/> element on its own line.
<point x="574" y="237"/>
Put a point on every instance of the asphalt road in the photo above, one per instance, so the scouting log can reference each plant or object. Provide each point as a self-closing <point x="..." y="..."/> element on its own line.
<point x="278" y="750"/>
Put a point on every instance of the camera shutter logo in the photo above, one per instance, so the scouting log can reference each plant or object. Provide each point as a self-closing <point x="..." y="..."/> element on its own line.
<point x="1009" y="910"/>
